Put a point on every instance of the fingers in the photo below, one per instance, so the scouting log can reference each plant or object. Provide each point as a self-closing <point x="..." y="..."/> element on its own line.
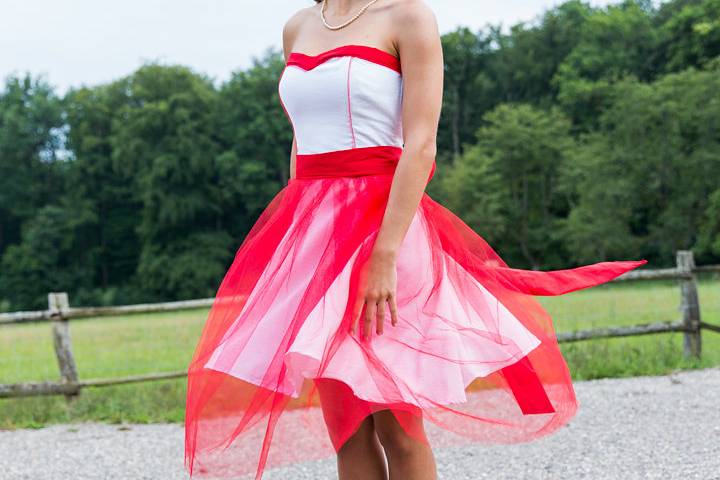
<point x="380" y="320"/>
<point x="393" y="310"/>
<point x="370" y="312"/>
<point x="357" y="310"/>
<point x="374" y="309"/>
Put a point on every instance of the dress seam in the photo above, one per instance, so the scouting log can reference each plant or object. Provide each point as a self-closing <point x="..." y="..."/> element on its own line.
<point x="352" y="129"/>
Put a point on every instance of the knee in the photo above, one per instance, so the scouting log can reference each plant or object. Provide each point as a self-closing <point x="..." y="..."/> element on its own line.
<point x="397" y="444"/>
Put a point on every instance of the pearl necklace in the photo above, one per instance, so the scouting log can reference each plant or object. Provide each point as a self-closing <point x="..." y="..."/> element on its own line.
<point x="357" y="15"/>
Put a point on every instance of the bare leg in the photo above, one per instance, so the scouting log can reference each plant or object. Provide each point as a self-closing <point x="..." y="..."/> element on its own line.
<point x="361" y="457"/>
<point x="407" y="457"/>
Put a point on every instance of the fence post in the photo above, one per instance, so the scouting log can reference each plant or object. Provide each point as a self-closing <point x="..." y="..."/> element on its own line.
<point x="689" y="305"/>
<point x="58" y="304"/>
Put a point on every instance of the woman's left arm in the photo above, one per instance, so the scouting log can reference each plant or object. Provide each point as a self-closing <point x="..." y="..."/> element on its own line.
<point x="420" y="50"/>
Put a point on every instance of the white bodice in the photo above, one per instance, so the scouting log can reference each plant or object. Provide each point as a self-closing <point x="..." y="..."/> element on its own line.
<point x="345" y="98"/>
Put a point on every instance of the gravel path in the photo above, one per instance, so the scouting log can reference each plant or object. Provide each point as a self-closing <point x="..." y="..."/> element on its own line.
<point x="665" y="427"/>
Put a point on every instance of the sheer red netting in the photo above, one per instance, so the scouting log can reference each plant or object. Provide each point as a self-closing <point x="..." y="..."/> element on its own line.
<point x="473" y="354"/>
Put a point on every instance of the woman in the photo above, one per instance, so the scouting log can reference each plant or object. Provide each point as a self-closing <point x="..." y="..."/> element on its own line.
<point x="358" y="293"/>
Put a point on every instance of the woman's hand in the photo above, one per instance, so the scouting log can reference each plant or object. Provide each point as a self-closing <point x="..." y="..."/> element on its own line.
<point x="377" y="287"/>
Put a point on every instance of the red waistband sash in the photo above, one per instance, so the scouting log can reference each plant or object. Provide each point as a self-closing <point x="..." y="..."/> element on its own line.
<point x="354" y="162"/>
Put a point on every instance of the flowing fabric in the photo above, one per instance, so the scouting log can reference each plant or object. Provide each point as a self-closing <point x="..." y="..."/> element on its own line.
<point x="473" y="352"/>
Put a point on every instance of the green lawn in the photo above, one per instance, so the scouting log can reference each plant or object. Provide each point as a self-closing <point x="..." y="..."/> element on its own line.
<point x="137" y="344"/>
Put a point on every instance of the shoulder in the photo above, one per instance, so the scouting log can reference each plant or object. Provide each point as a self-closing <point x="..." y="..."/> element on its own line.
<point x="415" y="26"/>
<point x="294" y="24"/>
<point x="413" y="14"/>
<point x="298" y="18"/>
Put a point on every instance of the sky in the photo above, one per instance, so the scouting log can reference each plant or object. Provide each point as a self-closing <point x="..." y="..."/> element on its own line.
<point x="88" y="42"/>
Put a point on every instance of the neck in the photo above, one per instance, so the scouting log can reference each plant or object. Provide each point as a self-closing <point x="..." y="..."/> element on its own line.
<point x="343" y="7"/>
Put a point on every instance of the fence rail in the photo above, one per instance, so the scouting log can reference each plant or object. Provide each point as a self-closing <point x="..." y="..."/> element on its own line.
<point x="59" y="313"/>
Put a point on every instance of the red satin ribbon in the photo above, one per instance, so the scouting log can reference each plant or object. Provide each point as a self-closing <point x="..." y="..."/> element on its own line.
<point x="354" y="162"/>
<point x="527" y="388"/>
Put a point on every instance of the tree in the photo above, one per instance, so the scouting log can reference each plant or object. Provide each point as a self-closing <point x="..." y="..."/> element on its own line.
<point x="30" y="138"/>
<point x="163" y="141"/>
<point x="708" y="244"/>
<point x="527" y="58"/>
<point x="615" y="43"/>
<point x="650" y="169"/>
<point x="52" y="256"/>
<point x="689" y="33"/>
<point x="93" y="178"/>
<point x="517" y="163"/>
<point x="467" y="91"/>
<point x="255" y="138"/>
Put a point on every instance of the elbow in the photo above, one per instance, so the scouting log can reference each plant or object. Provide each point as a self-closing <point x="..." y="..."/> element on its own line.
<point x="429" y="150"/>
<point x="424" y="149"/>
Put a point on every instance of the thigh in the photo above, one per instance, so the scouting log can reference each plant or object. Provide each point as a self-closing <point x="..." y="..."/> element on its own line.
<point x="342" y="411"/>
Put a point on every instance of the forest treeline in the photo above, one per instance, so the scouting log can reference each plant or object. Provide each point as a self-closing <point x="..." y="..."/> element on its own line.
<point x="588" y="134"/>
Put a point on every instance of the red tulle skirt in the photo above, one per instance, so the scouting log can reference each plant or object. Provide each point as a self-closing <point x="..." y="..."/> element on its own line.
<point x="473" y="352"/>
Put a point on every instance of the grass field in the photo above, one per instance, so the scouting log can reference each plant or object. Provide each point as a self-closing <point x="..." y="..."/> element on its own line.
<point x="137" y="344"/>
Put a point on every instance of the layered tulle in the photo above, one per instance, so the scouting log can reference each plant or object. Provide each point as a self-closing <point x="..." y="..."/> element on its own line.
<point x="473" y="352"/>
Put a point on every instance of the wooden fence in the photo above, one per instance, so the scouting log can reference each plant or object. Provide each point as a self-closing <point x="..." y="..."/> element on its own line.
<point x="59" y="313"/>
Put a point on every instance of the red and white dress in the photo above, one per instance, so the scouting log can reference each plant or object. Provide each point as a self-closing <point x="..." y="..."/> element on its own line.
<point x="473" y="352"/>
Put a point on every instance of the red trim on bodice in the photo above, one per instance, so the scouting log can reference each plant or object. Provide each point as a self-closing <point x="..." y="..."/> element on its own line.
<point x="366" y="52"/>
